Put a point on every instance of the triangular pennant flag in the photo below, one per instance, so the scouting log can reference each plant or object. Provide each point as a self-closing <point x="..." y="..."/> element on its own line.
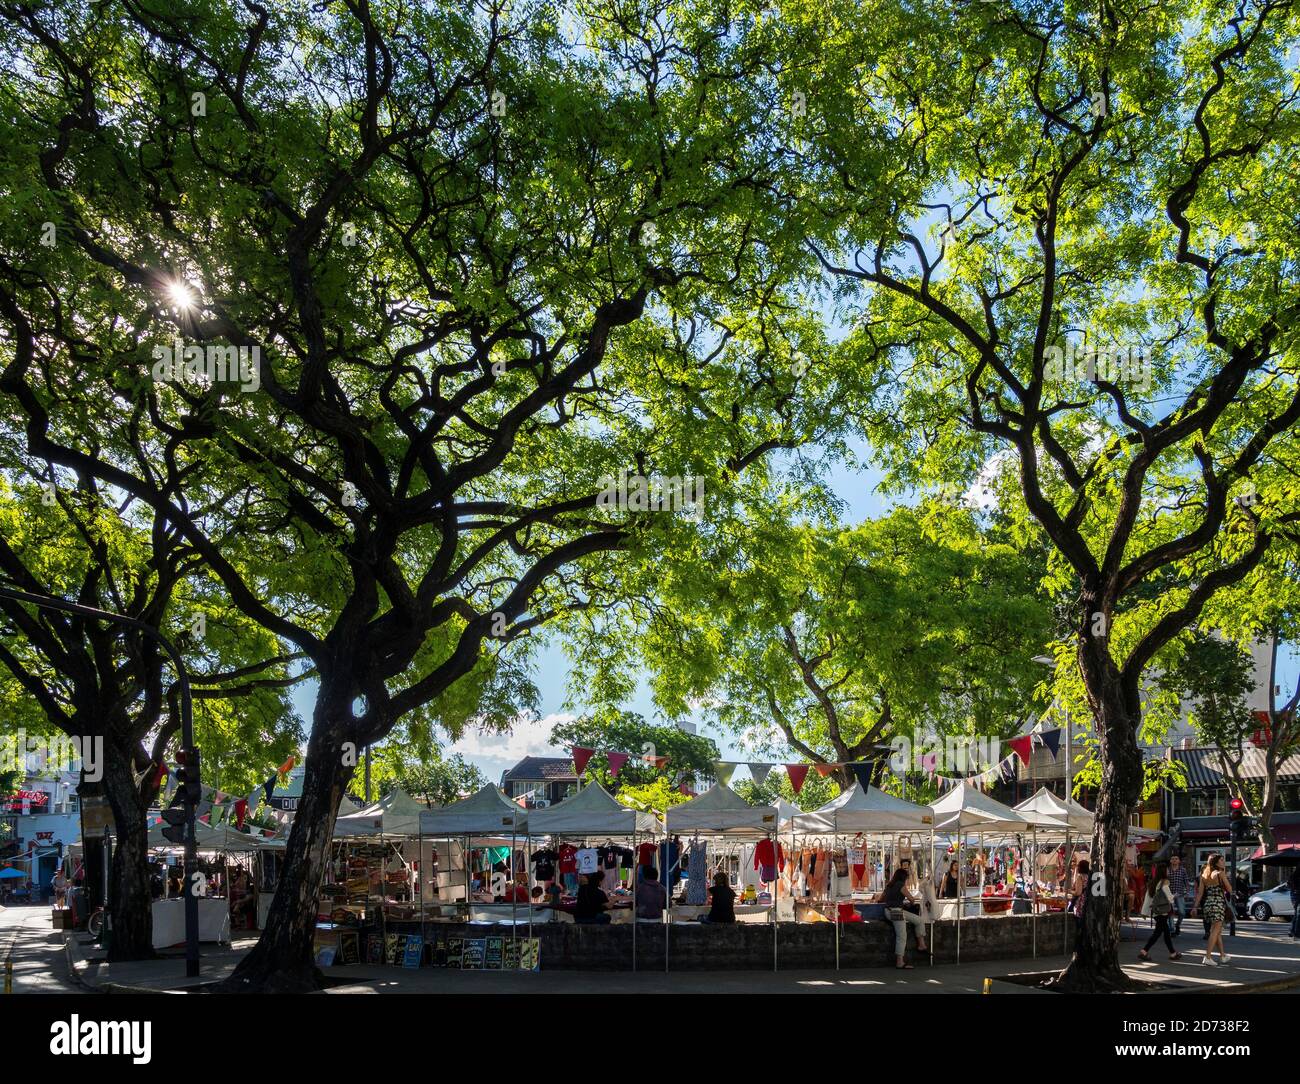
<point x="286" y="767"/>
<point x="616" y="761"/>
<point x="759" y="771"/>
<point x="1051" y="739"/>
<point x="169" y="789"/>
<point x="723" y="770"/>
<point x="1023" y="747"/>
<point x="929" y="762"/>
<point x="797" y="773"/>
<point x="825" y="769"/>
<point x="268" y="788"/>
<point x="686" y="790"/>
<point x="580" y="757"/>
<point x="862" y="773"/>
<point x="253" y="799"/>
<point x="241" y="807"/>
<point x="219" y="796"/>
<point x="660" y="763"/>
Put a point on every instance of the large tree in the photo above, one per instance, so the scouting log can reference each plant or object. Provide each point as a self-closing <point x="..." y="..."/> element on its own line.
<point x="488" y="257"/>
<point x="1092" y="286"/>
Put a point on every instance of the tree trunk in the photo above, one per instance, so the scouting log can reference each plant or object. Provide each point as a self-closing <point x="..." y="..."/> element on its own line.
<point x="282" y="960"/>
<point x="1094" y="967"/>
<point x="130" y="905"/>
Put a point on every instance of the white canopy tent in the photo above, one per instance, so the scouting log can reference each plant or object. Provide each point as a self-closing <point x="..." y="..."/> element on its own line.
<point x="221" y="838"/>
<point x="487" y="812"/>
<point x="1043" y="803"/>
<point x="966" y="806"/>
<point x="866" y="809"/>
<point x="395" y="814"/>
<point x="720" y="811"/>
<point x="592" y="812"/>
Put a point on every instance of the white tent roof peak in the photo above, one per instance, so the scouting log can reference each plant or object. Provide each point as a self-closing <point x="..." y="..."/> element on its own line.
<point x="485" y="812"/>
<point x="721" y="810"/>
<point x="966" y="806"/>
<point x="1043" y="803"/>
<point x="865" y="809"/>
<point x="592" y="811"/>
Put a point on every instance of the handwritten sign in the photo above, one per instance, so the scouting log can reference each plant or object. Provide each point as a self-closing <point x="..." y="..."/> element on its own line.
<point x="414" y="954"/>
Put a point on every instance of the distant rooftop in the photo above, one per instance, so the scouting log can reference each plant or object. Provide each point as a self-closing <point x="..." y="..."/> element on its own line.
<point x="541" y="769"/>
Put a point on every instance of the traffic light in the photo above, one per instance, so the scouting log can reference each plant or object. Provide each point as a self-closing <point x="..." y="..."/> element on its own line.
<point x="1236" y="819"/>
<point x="188" y="786"/>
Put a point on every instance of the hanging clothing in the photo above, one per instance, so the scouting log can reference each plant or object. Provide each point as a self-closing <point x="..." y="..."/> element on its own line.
<point x="586" y="859"/>
<point x="646" y="854"/>
<point x="544" y="864"/>
<point x="767" y="857"/>
<point x="568" y="858"/>
<point x="696" y="865"/>
<point x="670" y="871"/>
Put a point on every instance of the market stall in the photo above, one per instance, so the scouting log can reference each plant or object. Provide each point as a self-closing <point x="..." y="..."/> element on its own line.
<point x="722" y="813"/>
<point x="865" y="814"/>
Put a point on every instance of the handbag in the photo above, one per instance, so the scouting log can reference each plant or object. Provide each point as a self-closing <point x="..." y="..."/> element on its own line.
<point x="1145" y="910"/>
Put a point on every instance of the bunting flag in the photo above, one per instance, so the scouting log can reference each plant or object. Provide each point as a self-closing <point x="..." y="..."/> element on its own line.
<point x="862" y="773"/>
<point x="797" y="773"/>
<point x="268" y="788"/>
<point x="660" y="763"/>
<point x="1023" y="747"/>
<point x="759" y="771"/>
<point x="287" y="766"/>
<point x="825" y="769"/>
<point x="159" y="774"/>
<point x="929" y="762"/>
<point x="616" y="761"/>
<point x="169" y="788"/>
<point x="1051" y="739"/>
<point x="580" y="757"/>
<point x="723" y="770"/>
<point x="686" y="790"/>
<point x="241" y="808"/>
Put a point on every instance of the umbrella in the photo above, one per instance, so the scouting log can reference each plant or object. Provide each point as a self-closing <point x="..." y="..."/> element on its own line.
<point x="10" y="872"/>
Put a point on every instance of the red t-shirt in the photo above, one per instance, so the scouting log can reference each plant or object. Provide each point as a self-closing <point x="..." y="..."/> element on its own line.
<point x="646" y="854"/>
<point x="568" y="863"/>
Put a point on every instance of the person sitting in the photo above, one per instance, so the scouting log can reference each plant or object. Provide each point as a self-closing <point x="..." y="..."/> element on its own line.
<point x="723" y="901"/>
<point x="651" y="896"/>
<point x="897" y="903"/>
<point x="592" y="907"/>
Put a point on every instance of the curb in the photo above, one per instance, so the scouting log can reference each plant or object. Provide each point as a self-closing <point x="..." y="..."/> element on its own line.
<point x="104" y="987"/>
<point x="1265" y="986"/>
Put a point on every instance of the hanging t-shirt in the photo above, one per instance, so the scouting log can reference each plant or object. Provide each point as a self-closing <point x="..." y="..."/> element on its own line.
<point x="568" y="861"/>
<point x="587" y="861"/>
<point x="646" y="854"/>
<point x="544" y="860"/>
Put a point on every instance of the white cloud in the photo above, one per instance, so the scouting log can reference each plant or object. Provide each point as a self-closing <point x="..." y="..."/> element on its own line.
<point x="529" y="737"/>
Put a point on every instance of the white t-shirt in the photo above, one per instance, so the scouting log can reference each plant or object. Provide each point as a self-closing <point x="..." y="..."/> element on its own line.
<point x="587" y="862"/>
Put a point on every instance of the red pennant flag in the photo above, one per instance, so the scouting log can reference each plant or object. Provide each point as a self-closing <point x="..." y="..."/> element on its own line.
<point x="659" y="763"/>
<point x="797" y="773"/>
<point x="206" y="818"/>
<point x="286" y="767"/>
<point x="241" y="807"/>
<point x="1023" y="747"/>
<point x="580" y="758"/>
<point x="616" y="761"/>
<point x="686" y="790"/>
<point x="825" y="769"/>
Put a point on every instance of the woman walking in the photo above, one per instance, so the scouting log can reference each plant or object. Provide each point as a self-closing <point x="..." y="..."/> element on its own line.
<point x="1162" y="903"/>
<point x="1213" y="889"/>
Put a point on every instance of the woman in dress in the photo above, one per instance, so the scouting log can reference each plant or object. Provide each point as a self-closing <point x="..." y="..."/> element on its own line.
<point x="1212" y="894"/>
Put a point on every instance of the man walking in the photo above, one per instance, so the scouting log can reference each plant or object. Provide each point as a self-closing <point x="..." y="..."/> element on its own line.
<point x="1180" y="886"/>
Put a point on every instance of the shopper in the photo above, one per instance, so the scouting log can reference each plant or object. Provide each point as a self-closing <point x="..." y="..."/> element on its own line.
<point x="1293" y="885"/>
<point x="1180" y="884"/>
<point x="948" y="890"/>
<point x="1213" y="897"/>
<point x="722" y="900"/>
<point x="1161" y="899"/>
<point x="898" y="909"/>
<point x="651" y="896"/>
<point x="592" y="906"/>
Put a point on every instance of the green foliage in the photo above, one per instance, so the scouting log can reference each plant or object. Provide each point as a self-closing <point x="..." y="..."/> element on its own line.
<point x="656" y="796"/>
<point x="1217" y="678"/>
<point x="690" y="756"/>
<point x="815" y="792"/>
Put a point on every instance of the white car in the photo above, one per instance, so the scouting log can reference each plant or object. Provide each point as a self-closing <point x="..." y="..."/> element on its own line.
<point x="1272" y="901"/>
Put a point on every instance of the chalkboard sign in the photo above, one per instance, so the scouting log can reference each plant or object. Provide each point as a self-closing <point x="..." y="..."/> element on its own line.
<point x="374" y="949"/>
<point x="455" y="950"/>
<point x="414" y="954"/>
<point x="393" y="949"/>
<point x="472" y="953"/>
<point x="492" y="959"/>
<point x="513" y="955"/>
<point x="349" y="949"/>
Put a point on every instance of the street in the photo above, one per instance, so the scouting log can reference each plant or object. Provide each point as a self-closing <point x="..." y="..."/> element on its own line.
<point x="40" y="965"/>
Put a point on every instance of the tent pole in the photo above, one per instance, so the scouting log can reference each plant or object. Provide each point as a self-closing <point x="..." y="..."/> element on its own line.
<point x="663" y="876"/>
<point x="835" y="915"/>
<point x="635" y="921"/>
<point x="1033" y="890"/>
<point x="1065" y="881"/>
<point x="528" y="876"/>
<point x="514" y="896"/>
<point x="776" y="884"/>
<point x="419" y="876"/>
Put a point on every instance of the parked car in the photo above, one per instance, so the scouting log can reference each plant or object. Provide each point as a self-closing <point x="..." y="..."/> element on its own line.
<point x="1270" y="902"/>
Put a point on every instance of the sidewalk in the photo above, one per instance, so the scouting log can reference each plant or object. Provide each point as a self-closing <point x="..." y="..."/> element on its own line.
<point x="1260" y="954"/>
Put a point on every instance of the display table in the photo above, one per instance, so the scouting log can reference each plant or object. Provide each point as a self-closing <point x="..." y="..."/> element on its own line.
<point x="169" y="922"/>
<point x="745" y="912"/>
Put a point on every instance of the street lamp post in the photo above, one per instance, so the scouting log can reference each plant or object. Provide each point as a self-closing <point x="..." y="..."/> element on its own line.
<point x="49" y="602"/>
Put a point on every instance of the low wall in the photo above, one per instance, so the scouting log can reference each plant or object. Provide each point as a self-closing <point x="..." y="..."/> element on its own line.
<point x="747" y="946"/>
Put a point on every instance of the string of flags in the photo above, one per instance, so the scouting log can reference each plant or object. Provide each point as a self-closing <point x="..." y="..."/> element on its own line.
<point x="216" y="805"/>
<point x="1005" y="769"/>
